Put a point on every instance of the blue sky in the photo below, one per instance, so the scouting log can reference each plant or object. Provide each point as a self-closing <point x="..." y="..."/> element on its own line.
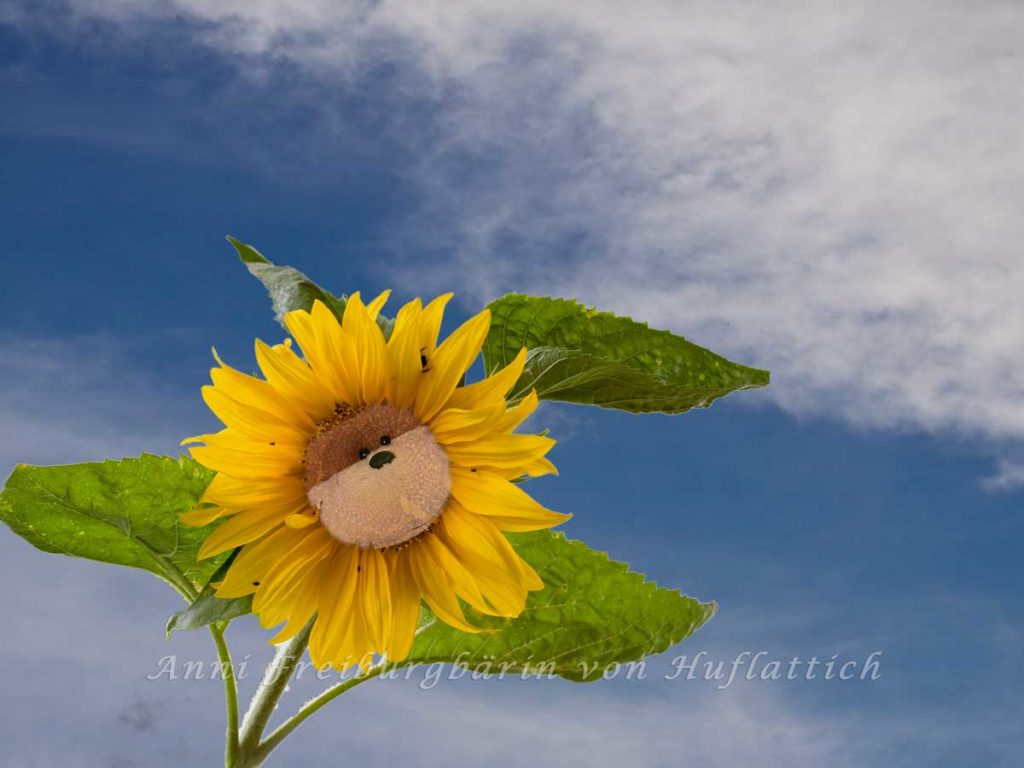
<point x="829" y="196"/>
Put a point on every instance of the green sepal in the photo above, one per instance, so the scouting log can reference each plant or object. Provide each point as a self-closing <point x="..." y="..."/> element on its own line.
<point x="289" y="289"/>
<point x="207" y="608"/>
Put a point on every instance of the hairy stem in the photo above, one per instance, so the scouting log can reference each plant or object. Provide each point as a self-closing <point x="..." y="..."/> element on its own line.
<point x="230" y="695"/>
<point x="275" y="680"/>
<point x="307" y="709"/>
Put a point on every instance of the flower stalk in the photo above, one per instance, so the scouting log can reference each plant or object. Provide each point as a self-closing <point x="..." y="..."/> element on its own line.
<point x="245" y="746"/>
<point x="230" y="694"/>
<point x="275" y="680"/>
<point x="281" y="732"/>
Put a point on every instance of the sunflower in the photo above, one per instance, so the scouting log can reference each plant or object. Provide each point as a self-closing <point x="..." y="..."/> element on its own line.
<point x="363" y="478"/>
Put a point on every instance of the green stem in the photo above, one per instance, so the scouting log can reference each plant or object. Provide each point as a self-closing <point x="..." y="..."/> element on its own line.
<point x="179" y="581"/>
<point x="275" y="680"/>
<point x="274" y="739"/>
<point x="230" y="694"/>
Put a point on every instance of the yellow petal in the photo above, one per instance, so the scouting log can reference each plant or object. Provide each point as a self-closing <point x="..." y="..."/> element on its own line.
<point x="374" y="307"/>
<point x="463" y="582"/>
<point x="244" y="527"/>
<point x="331" y="355"/>
<point x="304" y="601"/>
<point x="487" y="494"/>
<point x="404" y="356"/>
<point x="244" y="464"/>
<point x="430" y="325"/>
<point x="284" y="446"/>
<point x="451" y="360"/>
<point x="310" y="336"/>
<point x="371" y="351"/>
<point x="257" y="393"/>
<point x="405" y="605"/>
<point x="503" y="451"/>
<point x="249" y="420"/>
<point x="525" y="523"/>
<point x="238" y="493"/>
<point x="490" y="390"/>
<point x="534" y="469"/>
<point x="436" y="589"/>
<point x="294" y="379"/>
<point x="201" y="516"/>
<point x="456" y="425"/>
<point x="500" y="586"/>
<point x="376" y="594"/>
<point x="275" y="596"/>
<point x="329" y="642"/>
<point x="303" y="519"/>
<point x="485" y="538"/>
<point x="254" y="560"/>
<point x="340" y="366"/>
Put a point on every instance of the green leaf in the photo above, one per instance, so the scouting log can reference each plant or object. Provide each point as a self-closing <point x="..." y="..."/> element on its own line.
<point x="580" y="355"/>
<point x="592" y="613"/>
<point x="208" y="609"/>
<point x="290" y="289"/>
<point x="122" y="512"/>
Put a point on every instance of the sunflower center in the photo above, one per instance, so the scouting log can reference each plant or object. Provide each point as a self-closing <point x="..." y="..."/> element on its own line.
<point x="377" y="476"/>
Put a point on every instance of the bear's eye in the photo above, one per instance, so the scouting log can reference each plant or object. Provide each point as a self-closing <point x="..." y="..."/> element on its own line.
<point x="364" y="452"/>
<point x="385" y="439"/>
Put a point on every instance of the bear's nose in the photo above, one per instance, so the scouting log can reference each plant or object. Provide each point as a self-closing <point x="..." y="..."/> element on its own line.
<point x="381" y="458"/>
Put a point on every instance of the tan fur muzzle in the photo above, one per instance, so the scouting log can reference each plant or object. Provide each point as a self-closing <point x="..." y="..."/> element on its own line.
<point x="377" y="476"/>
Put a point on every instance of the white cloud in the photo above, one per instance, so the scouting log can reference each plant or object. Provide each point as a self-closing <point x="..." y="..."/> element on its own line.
<point x="516" y="725"/>
<point x="83" y="661"/>
<point x="1009" y="474"/>
<point x="830" y="191"/>
<point x="830" y="194"/>
<point x="78" y="399"/>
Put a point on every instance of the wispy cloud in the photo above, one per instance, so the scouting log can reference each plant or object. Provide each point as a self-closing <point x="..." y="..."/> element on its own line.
<point x="78" y="399"/>
<point x="1009" y="473"/>
<point x="830" y="191"/>
<point x="488" y="723"/>
<point x="827" y="191"/>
